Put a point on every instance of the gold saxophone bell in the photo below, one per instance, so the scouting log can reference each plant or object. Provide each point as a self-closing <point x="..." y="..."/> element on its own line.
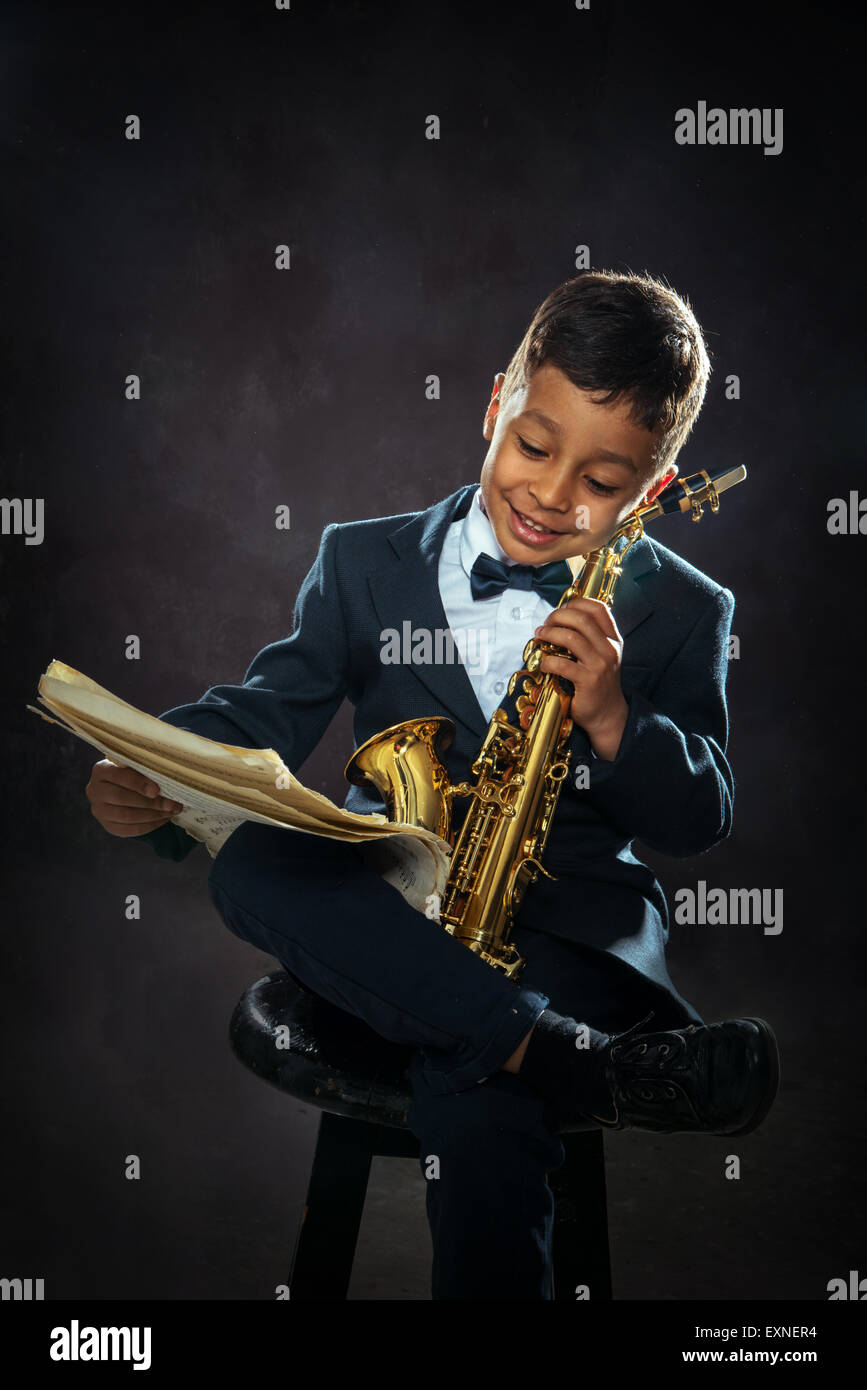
<point x="403" y="763"/>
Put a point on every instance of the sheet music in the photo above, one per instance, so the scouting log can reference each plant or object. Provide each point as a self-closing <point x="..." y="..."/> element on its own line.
<point x="412" y="868"/>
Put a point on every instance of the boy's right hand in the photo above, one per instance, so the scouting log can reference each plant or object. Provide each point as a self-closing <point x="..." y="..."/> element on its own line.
<point x="125" y="802"/>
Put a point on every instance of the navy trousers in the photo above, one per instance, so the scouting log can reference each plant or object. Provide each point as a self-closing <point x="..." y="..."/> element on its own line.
<point x="487" y="1139"/>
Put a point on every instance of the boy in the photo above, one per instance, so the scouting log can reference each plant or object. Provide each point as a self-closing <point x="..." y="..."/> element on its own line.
<point x="584" y="426"/>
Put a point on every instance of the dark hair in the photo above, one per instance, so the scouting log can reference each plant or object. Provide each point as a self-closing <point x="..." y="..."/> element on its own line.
<point x="624" y="336"/>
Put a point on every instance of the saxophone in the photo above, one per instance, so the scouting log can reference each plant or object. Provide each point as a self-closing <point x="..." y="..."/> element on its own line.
<point x="521" y="766"/>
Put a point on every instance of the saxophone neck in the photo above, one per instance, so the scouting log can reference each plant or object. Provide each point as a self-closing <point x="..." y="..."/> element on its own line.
<point x="602" y="567"/>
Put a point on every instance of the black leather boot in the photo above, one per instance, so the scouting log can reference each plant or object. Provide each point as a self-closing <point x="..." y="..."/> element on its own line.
<point x="720" y="1078"/>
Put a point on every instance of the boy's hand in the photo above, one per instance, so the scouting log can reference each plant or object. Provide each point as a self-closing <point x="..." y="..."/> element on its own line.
<point x="125" y="802"/>
<point x="586" y="628"/>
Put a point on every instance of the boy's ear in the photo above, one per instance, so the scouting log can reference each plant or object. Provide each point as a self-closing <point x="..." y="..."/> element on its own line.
<point x="490" y="419"/>
<point x="655" y="488"/>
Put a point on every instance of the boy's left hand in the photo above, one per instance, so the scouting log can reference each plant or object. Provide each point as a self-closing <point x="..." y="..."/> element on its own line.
<point x="586" y="628"/>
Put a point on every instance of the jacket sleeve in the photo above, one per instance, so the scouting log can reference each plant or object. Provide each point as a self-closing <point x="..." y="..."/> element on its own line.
<point x="290" y="692"/>
<point x="670" y="785"/>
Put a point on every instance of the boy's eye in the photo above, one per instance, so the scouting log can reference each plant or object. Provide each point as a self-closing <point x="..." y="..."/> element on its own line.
<point x="603" y="489"/>
<point x="528" y="449"/>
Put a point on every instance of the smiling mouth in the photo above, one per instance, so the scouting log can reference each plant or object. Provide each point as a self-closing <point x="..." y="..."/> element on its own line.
<point x="535" y="525"/>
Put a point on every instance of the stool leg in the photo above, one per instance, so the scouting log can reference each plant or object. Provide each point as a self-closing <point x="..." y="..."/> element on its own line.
<point x="325" y="1245"/>
<point x="580" y="1240"/>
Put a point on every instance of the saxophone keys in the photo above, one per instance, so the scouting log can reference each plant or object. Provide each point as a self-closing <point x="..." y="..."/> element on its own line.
<point x="530" y="698"/>
<point x="521" y="677"/>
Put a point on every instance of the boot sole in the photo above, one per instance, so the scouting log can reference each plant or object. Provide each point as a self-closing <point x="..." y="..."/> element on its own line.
<point x="761" y="1111"/>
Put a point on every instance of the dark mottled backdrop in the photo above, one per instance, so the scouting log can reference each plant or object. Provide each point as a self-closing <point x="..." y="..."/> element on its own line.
<point x="306" y="387"/>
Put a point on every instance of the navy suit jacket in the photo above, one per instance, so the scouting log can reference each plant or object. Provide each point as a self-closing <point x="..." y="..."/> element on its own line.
<point x="670" y="785"/>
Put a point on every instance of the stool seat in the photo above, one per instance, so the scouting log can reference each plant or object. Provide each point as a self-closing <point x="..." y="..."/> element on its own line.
<point x="317" y="1052"/>
<point x="314" y="1051"/>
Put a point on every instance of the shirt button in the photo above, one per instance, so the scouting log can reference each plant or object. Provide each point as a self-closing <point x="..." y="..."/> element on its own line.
<point x="499" y="687"/>
<point x="516" y="613"/>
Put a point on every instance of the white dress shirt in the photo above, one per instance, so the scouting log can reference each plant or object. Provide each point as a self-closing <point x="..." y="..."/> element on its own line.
<point x="490" y="634"/>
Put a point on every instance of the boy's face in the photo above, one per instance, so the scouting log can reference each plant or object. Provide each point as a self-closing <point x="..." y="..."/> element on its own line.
<point x="580" y="474"/>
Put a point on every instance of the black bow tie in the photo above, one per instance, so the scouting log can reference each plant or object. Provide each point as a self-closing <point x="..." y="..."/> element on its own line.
<point x="490" y="577"/>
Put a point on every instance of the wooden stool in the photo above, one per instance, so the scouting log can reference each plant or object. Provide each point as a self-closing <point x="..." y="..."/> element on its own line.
<point x="321" y="1055"/>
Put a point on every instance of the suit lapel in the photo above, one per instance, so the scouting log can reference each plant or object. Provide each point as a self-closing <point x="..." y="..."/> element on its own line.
<point x="405" y="588"/>
<point x="631" y="605"/>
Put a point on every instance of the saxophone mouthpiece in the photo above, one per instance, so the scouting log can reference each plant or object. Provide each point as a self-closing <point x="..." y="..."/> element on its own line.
<point x="687" y="494"/>
<point x="728" y="479"/>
